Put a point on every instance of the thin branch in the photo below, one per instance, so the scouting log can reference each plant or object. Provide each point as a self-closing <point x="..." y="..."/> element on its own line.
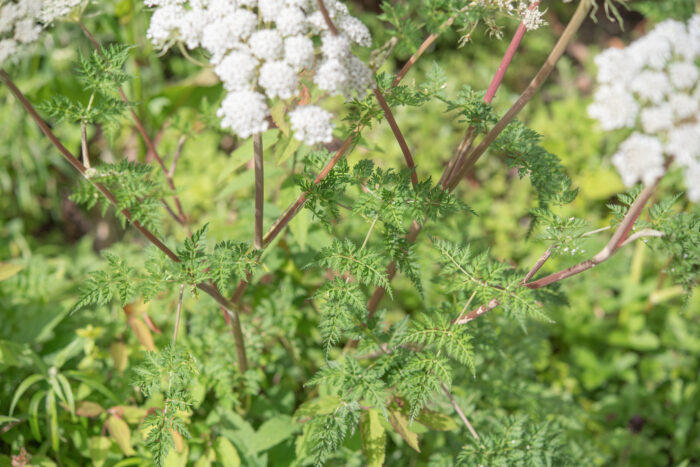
<point x="559" y="48"/>
<point x="538" y="265"/>
<point x="641" y="234"/>
<point x="464" y="418"/>
<point x="176" y="156"/>
<point x="259" y="190"/>
<point x="77" y="165"/>
<point x="606" y="253"/>
<point x="326" y="17"/>
<point x="182" y="219"/>
<point x="369" y="232"/>
<point x="397" y="134"/>
<point x="84" y="145"/>
<point x="177" y="313"/>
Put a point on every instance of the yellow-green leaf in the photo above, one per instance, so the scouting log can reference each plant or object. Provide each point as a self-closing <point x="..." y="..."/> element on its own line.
<point x="400" y="425"/>
<point x="277" y="113"/>
<point x="226" y="453"/>
<point x="320" y="406"/>
<point x="143" y="334"/>
<point x="436" y="420"/>
<point x="119" y="356"/>
<point x="373" y="438"/>
<point x="120" y="433"/>
<point x="207" y="459"/>
<point x="88" y="409"/>
<point x="99" y="448"/>
<point x="8" y="270"/>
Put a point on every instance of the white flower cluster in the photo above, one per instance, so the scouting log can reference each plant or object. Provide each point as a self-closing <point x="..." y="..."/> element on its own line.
<point x="21" y="22"/>
<point x="527" y="11"/>
<point x="258" y="48"/>
<point x="652" y="86"/>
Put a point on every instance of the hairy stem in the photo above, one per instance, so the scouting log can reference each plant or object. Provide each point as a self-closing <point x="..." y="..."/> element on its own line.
<point x="77" y="165"/>
<point x="259" y="190"/>
<point x="397" y="134"/>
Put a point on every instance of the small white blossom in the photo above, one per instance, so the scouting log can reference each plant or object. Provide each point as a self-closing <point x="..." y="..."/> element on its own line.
<point x="530" y="15"/>
<point x="291" y="21"/>
<point x="8" y="47"/>
<point x="684" y="144"/>
<point x="278" y="79"/>
<point x="652" y="86"/>
<point x="683" y="75"/>
<point x="269" y="9"/>
<point x="692" y="175"/>
<point x="311" y="124"/>
<point x="684" y="105"/>
<point x="639" y="158"/>
<point x="299" y="52"/>
<point x="237" y="70"/>
<point x="244" y="112"/>
<point x="266" y="44"/>
<point x="657" y="119"/>
<point x="614" y="108"/>
<point x="335" y="47"/>
<point x="355" y="30"/>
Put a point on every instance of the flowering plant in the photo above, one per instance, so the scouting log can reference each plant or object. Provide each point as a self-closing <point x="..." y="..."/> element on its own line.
<point x="327" y="355"/>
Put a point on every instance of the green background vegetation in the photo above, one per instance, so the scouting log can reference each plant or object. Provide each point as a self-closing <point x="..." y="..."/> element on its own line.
<point x="613" y="381"/>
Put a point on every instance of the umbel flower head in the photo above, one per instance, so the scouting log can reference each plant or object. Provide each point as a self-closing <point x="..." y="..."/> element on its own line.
<point x="259" y="47"/>
<point x="651" y="86"/>
<point x="22" y="21"/>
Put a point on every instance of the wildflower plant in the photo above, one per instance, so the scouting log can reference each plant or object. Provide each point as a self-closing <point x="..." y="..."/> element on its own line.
<point x="372" y="363"/>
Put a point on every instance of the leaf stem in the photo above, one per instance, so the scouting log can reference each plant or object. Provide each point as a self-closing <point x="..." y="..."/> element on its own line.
<point x="397" y="134"/>
<point x="259" y="190"/>
<point x="177" y="313"/>
<point x="181" y="219"/>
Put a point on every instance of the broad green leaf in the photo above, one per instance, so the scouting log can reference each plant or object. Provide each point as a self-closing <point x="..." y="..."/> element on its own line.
<point x="120" y="433"/>
<point x="373" y="438"/>
<point x="277" y="114"/>
<point x="286" y="148"/>
<point x="88" y="409"/>
<point x="436" y="420"/>
<point x="8" y="270"/>
<point x="273" y="432"/>
<point x="320" y="406"/>
<point x="400" y="425"/>
<point x="99" y="448"/>
<point x="22" y="388"/>
<point x="226" y="453"/>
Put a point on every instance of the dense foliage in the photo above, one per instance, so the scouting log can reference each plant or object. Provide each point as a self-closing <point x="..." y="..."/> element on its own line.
<point x="451" y="313"/>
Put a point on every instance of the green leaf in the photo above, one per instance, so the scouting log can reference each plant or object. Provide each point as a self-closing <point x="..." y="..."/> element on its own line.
<point x="226" y="453"/>
<point x="98" y="449"/>
<point x="272" y="432"/>
<point x="52" y="416"/>
<point x="373" y="438"/>
<point x="5" y="419"/>
<point x="121" y="434"/>
<point x="8" y="270"/>
<point x="34" y="414"/>
<point x="22" y="388"/>
<point x="436" y="420"/>
<point x="400" y="425"/>
<point x="320" y="406"/>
